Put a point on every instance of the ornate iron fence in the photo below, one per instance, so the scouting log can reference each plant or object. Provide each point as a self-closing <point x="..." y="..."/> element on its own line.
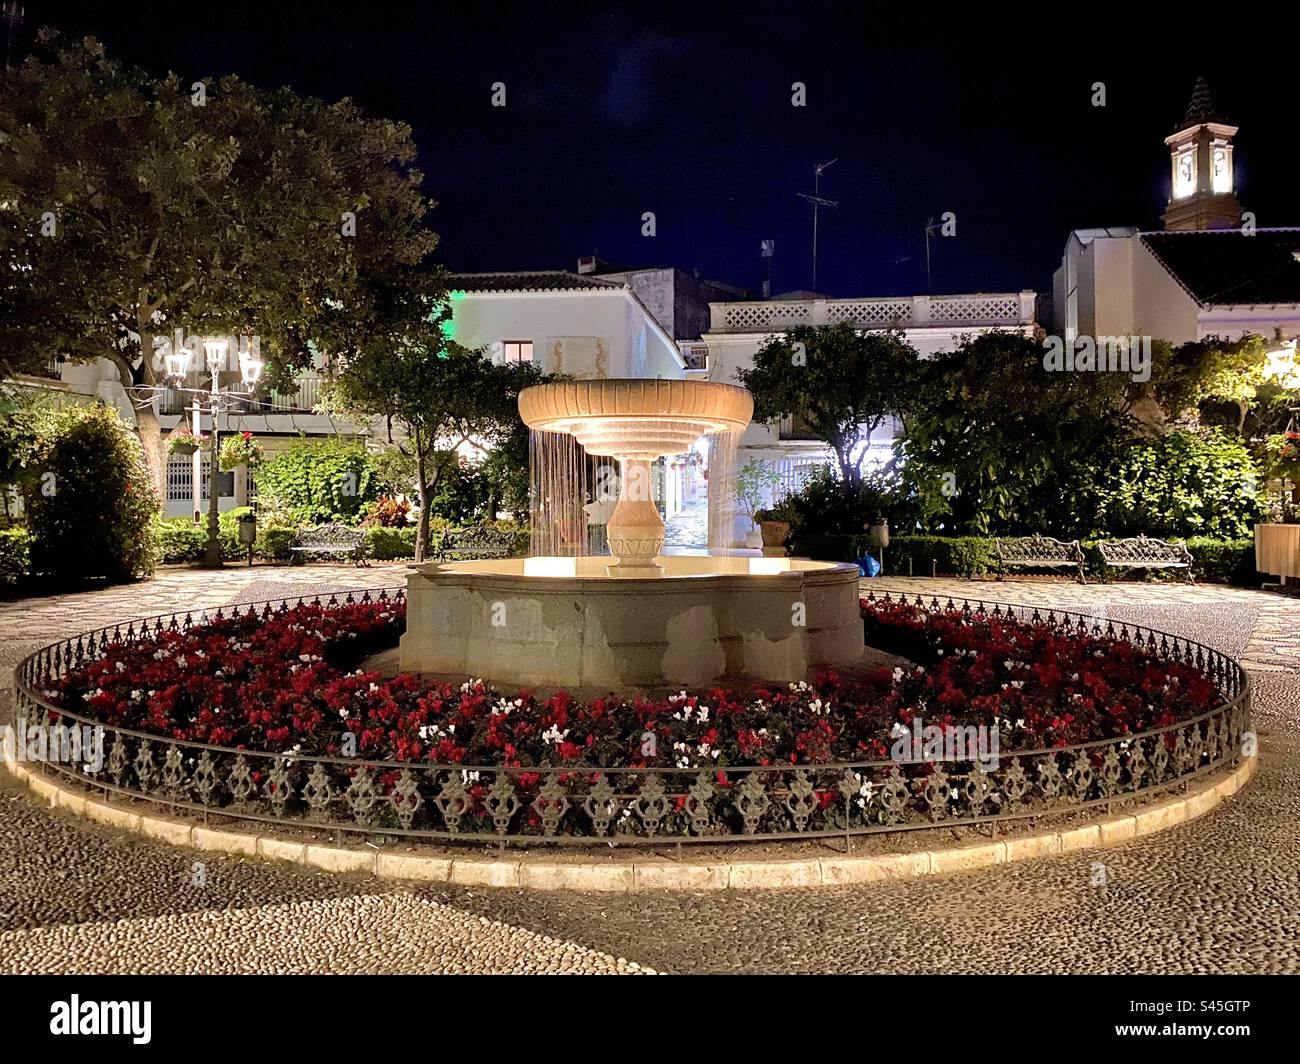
<point x="644" y="806"/>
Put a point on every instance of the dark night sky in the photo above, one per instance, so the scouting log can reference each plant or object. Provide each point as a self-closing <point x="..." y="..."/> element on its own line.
<point x="684" y="109"/>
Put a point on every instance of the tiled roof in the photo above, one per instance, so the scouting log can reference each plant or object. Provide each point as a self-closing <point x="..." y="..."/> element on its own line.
<point x="1227" y="266"/>
<point x="526" y="281"/>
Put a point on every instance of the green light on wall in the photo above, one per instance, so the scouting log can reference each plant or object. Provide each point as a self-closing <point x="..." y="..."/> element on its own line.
<point x="449" y="323"/>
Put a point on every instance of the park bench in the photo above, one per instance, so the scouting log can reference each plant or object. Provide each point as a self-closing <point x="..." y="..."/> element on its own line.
<point x="330" y="539"/>
<point x="1039" y="552"/>
<point x="1141" y="552"/>
<point x="476" y="541"/>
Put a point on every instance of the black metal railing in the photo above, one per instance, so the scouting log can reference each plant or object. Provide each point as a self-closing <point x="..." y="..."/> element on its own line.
<point x="599" y="806"/>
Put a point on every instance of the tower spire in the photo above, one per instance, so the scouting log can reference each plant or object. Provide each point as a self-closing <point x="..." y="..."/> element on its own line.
<point x="1200" y="108"/>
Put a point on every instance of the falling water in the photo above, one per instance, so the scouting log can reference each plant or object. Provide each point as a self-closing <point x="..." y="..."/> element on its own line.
<point x="722" y="488"/>
<point x="558" y="488"/>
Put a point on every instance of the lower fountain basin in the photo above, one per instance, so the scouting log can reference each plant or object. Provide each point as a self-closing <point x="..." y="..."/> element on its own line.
<point x="568" y="622"/>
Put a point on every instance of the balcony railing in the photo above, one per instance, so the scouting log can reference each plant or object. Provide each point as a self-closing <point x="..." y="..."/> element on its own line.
<point x="301" y="400"/>
<point x="978" y="310"/>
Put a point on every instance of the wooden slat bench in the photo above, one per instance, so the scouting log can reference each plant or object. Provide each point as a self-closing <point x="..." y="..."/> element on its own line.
<point x="1142" y="552"/>
<point x="330" y="539"/>
<point x="1039" y="552"/>
<point x="476" y="541"/>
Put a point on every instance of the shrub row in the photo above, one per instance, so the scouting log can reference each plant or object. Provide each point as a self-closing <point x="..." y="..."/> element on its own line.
<point x="182" y="541"/>
<point x="1217" y="561"/>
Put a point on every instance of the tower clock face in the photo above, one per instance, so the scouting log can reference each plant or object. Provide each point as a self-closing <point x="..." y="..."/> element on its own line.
<point x="1184" y="175"/>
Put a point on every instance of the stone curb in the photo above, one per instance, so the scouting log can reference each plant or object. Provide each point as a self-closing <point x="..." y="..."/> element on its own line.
<point x="522" y="872"/>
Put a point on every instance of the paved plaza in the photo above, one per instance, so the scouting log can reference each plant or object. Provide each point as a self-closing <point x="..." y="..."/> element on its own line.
<point x="1219" y="894"/>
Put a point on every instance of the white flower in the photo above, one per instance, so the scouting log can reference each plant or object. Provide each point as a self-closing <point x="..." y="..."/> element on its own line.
<point x="554" y="736"/>
<point x="898" y="731"/>
<point x="468" y="777"/>
<point x="898" y="674"/>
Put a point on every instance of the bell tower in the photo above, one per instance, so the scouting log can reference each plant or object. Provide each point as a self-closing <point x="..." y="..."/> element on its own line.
<point x="1203" y="187"/>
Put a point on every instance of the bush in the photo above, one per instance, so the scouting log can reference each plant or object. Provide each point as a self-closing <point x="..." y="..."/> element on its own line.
<point x="1181" y="484"/>
<point x="1217" y="561"/>
<point x="91" y="507"/>
<point x="1225" y="561"/>
<point x="15" y="555"/>
<point x="317" y="481"/>
<point x="180" y="540"/>
<point x="390" y="544"/>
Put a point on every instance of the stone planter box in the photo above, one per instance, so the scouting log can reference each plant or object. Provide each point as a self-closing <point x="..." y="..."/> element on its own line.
<point x="774" y="536"/>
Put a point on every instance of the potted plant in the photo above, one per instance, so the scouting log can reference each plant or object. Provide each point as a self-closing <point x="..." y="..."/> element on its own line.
<point x="239" y="450"/>
<point x="755" y="479"/>
<point x="1277" y="544"/>
<point x="184" y="442"/>
<point x="774" y="524"/>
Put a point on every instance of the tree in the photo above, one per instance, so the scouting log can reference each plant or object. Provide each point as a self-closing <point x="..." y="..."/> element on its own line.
<point x="996" y="441"/>
<point x="841" y="382"/>
<point x="436" y="394"/>
<point x="131" y="206"/>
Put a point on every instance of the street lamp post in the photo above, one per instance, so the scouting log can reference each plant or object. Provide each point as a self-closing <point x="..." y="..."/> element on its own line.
<point x="214" y="352"/>
<point x="177" y="367"/>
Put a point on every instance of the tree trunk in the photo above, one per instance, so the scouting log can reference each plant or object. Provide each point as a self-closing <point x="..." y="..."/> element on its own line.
<point x="147" y="425"/>
<point x="149" y="429"/>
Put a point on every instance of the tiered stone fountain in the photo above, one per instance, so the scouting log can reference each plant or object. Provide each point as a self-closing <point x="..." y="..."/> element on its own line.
<point x="644" y="619"/>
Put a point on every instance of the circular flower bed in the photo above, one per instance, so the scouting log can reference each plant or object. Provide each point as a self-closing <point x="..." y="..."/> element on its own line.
<point x="289" y="683"/>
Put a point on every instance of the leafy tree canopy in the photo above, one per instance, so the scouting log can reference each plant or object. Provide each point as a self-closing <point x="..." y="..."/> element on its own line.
<point x="838" y="381"/>
<point x="133" y="205"/>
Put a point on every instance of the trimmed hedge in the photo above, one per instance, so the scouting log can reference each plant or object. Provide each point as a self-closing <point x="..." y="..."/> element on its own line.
<point x="1217" y="561"/>
<point x="182" y="541"/>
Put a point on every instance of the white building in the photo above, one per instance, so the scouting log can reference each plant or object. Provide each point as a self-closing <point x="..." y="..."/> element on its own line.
<point x="582" y="326"/>
<point x="275" y="419"/>
<point x="1209" y="272"/>
<point x="929" y="323"/>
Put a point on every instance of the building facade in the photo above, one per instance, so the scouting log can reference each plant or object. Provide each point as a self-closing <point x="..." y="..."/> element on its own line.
<point x="929" y="323"/>
<point x="1210" y="272"/>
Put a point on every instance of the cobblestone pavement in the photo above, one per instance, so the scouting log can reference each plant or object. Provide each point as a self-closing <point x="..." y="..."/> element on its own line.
<point x="1217" y="895"/>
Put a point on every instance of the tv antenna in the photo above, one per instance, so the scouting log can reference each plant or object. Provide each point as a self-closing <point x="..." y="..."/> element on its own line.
<point x="12" y="13"/>
<point x="929" y="232"/>
<point x="818" y="201"/>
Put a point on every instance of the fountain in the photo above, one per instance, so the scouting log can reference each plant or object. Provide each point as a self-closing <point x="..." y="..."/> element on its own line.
<point x="643" y="619"/>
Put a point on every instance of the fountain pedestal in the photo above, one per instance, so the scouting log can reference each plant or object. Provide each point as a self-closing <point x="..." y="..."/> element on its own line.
<point x="698" y="620"/>
<point x="636" y="531"/>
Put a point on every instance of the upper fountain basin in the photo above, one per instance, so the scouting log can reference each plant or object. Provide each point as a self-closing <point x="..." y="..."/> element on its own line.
<point x="636" y="419"/>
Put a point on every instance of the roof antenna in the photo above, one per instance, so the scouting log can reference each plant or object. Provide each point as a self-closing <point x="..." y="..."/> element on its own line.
<point x="818" y="202"/>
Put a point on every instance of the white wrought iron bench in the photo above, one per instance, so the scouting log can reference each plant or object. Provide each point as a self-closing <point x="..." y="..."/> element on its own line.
<point x="330" y="539"/>
<point x="1039" y="552"/>
<point x="1142" y="552"/>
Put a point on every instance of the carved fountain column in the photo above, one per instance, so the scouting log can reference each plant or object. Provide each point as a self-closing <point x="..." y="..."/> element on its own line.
<point x="636" y="531"/>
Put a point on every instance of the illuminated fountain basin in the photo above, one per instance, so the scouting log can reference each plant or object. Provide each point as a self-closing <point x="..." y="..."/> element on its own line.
<point x="566" y="622"/>
<point x="640" y="620"/>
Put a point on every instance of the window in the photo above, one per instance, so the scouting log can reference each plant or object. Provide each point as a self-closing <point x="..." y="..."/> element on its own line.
<point x="1222" y="175"/>
<point x="516" y="351"/>
<point x="1184" y="174"/>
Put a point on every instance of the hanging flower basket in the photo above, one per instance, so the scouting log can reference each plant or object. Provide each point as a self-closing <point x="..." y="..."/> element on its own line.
<point x="184" y="442"/>
<point x="239" y="450"/>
